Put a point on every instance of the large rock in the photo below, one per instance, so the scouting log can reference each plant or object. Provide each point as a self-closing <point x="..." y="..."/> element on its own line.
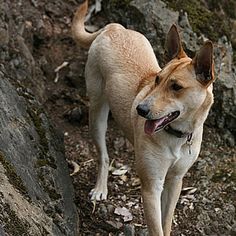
<point x="153" y="19"/>
<point x="224" y="109"/>
<point x="36" y="191"/>
<point x="37" y="196"/>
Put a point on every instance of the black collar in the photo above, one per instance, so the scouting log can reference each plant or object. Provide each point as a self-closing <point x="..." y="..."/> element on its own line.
<point x="177" y="133"/>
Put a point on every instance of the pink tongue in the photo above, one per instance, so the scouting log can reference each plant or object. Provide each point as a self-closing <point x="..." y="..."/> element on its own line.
<point x="151" y="125"/>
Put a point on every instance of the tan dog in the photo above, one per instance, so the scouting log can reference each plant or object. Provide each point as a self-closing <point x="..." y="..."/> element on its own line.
<point x="161" y="111"/>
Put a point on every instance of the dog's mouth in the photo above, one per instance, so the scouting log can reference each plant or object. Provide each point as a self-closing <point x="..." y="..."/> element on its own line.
<point x="152" y="126"/>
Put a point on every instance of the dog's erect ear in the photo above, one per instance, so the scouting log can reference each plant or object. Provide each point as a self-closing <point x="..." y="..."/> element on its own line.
<point x="203" y="64"/>
<point x="173" y="44"/>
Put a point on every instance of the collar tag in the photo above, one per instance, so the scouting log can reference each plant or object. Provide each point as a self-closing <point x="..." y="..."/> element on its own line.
<point x="189" y="142"/>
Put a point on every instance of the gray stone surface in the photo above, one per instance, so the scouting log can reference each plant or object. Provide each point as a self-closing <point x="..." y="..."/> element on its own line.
<point x="36" y="191"/>
<point x="35" y="187"/>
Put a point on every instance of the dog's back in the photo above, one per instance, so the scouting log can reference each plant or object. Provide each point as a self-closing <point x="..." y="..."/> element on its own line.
<point x="118" y="59"/>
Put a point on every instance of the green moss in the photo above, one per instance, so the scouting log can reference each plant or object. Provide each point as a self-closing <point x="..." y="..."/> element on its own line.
<point x="50" y="190"/>
<point x="12" y="176"/>
<point x="35" y="116"/>
<point x="45" y="162"/>
<point x="12" y="224"/>
<point x="53" y="194"/>
<point x="44" y="158"/>
<point x="228" y="6"/>
<point x="202" y="19"/>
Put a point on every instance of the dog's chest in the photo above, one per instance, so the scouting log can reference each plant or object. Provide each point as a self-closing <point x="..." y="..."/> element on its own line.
<point x="177" y="152"/>
<point x="182" y="156"/>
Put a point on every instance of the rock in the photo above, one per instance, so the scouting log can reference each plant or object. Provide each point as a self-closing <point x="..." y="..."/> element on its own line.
<point x="129" y="230"/>
<point x="223" y="114"/>
<point x="142" y="232"/>
<point x="233" y="33"/>
<point x="36" y="192"/>
<point x="233" y="230"/>
<point x="229" y="138"/>
<point x="4" y="36"/>
<point x="114" y="225"/>
<point x="35" y="188"/>
<point x="103" y="211"/>
<point x="75" y="115"/>
<point x="110" y="208"/>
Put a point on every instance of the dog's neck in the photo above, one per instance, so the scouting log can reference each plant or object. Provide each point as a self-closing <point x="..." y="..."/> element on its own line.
<point x="177" y="133"/>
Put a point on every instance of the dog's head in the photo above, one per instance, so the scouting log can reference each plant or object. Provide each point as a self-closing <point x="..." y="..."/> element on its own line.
<point x="182" y="89"/>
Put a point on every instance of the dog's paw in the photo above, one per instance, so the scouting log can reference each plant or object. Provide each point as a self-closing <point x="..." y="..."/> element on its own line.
<point x="98" y="194"/>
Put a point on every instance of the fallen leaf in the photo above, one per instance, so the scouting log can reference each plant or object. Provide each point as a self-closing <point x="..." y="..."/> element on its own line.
<point x="130" y="204"/>
<point x="188" y="190"/>
<point x="75" y="166"/>
<point x="124" y="178"/>
<point x="94" y="206"/>
<point x="121" y="171"/>
<point x="124" y="212"/>
<point x="135" y="181"/>
<point x="65" y="63"/>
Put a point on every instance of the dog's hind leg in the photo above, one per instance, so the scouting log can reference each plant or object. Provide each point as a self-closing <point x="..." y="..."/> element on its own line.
<point x="98" y="114"/>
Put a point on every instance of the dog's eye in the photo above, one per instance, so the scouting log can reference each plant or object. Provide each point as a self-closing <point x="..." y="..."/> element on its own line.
<point x="176" y="87"/>
<point x="157" y="81"/>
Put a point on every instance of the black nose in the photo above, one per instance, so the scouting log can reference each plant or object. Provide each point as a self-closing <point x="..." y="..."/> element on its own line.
<point x="143" y="110"/>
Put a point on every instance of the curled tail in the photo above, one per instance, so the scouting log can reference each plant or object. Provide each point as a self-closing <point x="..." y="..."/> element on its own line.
<point x="80" y="35"/>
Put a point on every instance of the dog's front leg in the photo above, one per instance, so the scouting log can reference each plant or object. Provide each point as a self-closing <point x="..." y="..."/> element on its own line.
<point x="169" y="198"/>
<point x="151" y="193"/>
<point x="152" y="170"/>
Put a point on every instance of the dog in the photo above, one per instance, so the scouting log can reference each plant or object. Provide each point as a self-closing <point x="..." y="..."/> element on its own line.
<point x="161" y="111"/>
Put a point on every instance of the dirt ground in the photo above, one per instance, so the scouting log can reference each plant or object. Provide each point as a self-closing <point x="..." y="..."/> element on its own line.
<point x="207" y="202"/>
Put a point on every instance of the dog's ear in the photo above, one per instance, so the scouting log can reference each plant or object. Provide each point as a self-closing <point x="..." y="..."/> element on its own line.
<point x="203" y="64"/>
<point x="173" y="45"/>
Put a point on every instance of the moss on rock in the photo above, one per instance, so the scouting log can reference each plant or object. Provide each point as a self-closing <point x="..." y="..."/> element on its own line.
<point x="35" y="117"/>
<point x="12" y="176"/>
<point x="202" y="19"/>
<point x="48" y="188"/>
<point x="12" y="224"/>
<point x="44" y="157"/>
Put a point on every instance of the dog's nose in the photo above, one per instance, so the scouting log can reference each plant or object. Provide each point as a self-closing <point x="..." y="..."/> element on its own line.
<point x="143" y="110"/>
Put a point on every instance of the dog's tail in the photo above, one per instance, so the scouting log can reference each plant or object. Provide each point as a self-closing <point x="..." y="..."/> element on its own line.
<point x="80" y="35"/>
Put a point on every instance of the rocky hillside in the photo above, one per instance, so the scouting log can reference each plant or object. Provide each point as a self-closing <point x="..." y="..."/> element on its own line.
<point x="43" y="121"/>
